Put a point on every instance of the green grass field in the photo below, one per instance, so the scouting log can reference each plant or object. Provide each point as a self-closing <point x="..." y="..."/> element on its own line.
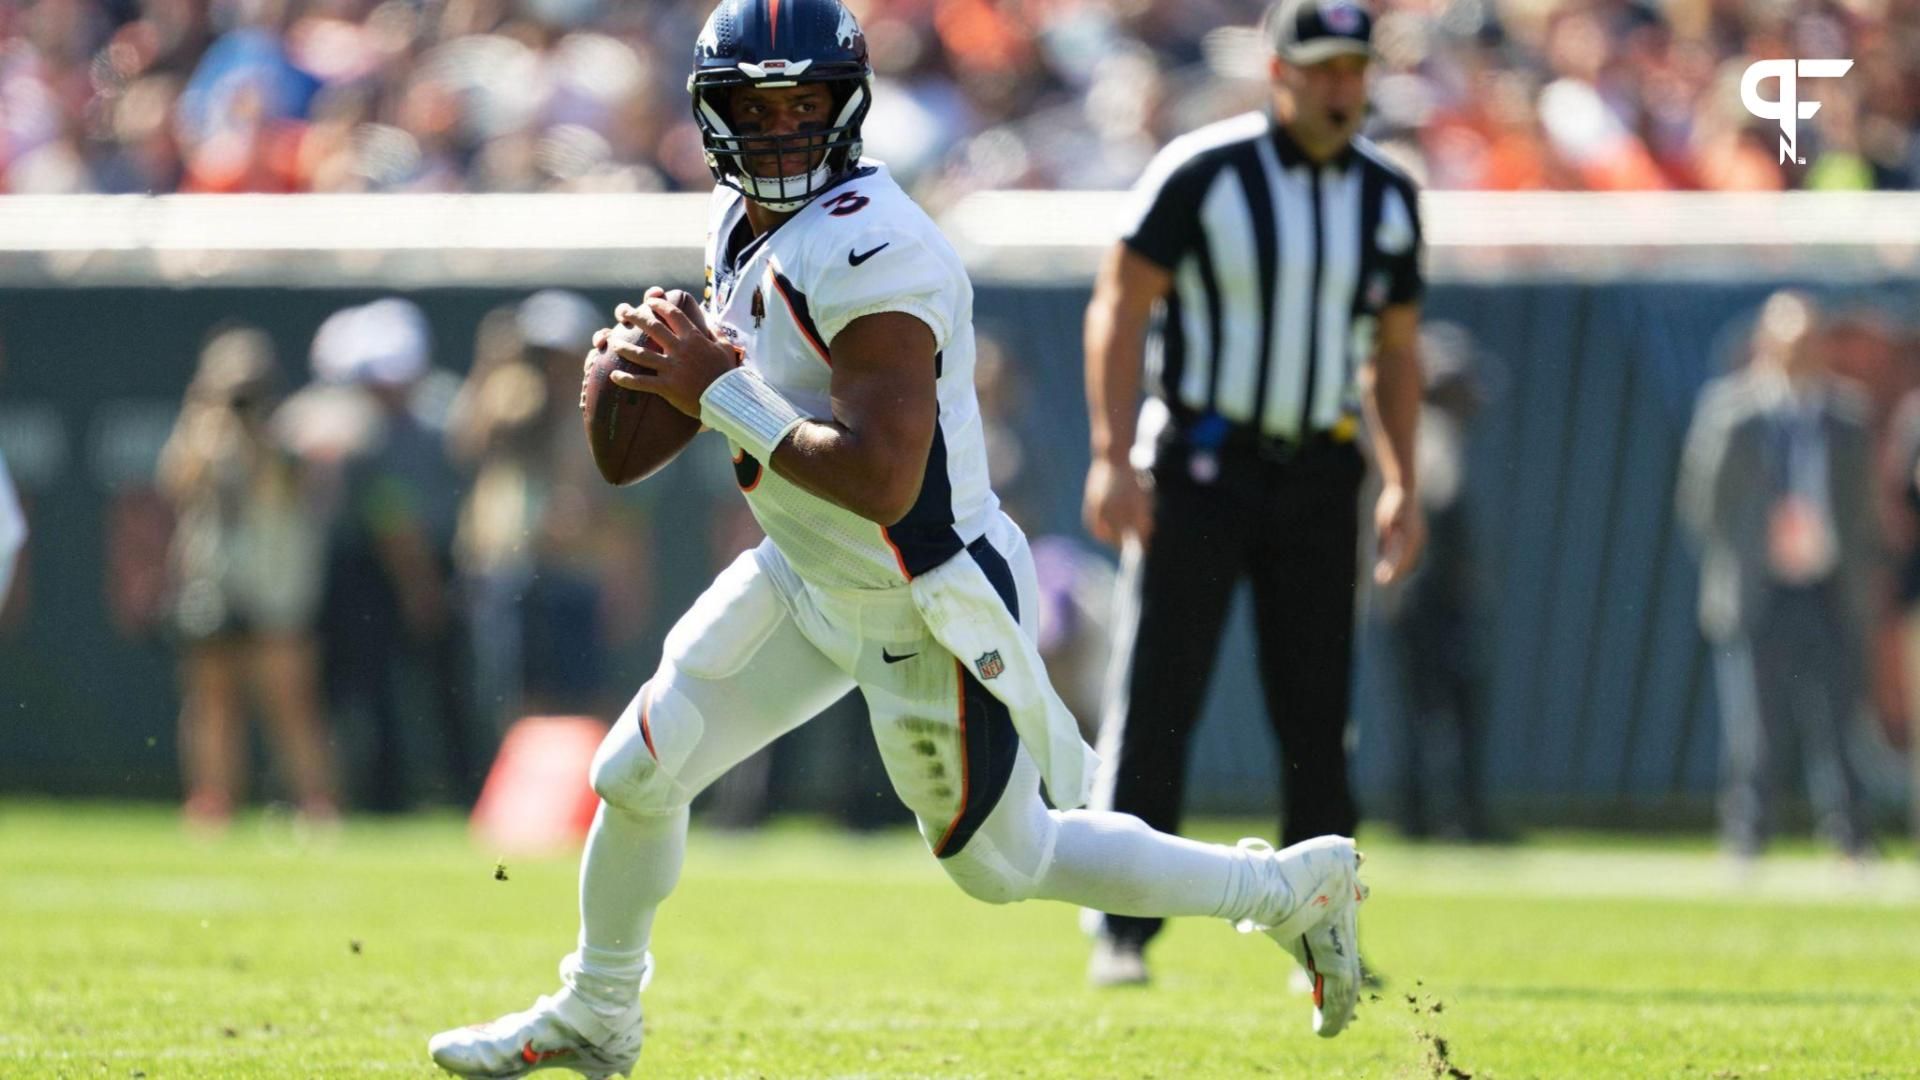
<point x="801" y="952"/>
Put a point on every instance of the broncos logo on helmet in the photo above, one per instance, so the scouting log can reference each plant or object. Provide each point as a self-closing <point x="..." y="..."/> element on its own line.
<point x="772" y="44"/>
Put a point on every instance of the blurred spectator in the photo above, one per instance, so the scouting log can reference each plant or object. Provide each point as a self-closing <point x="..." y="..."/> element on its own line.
<point x="502" y="396"/>
<point x="1431" y="622"/>
<point x="490" y="95"/>
<point x="391" y="633"/>
<point x="13" y="531"/>
<point x="1776" y="486"/>
<point x="553" y="565"/>
<point x="1905" y="456"/>
<point x="1006" y="415"/>
<point x="239" y="115"/>
<point x="1076" y="582"/>
<point x="1076" y="639"/>
<point x="1863" y="346"/>
<point x="244" y="571"/>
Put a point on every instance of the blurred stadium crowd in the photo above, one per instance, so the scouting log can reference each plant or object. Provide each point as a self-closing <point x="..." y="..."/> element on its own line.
<point x="159" y="96"/>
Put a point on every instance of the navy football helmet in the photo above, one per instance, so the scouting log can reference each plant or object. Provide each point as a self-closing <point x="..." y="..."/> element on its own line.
<point x="776" y="43"/>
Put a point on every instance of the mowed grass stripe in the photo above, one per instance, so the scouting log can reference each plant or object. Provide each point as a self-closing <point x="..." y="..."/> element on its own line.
<point x="803" y="952"/>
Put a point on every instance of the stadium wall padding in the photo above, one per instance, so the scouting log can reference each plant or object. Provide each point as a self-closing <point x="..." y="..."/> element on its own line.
<point x="1599" y="687"/>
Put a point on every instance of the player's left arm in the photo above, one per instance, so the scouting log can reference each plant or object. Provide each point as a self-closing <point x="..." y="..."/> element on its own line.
<point x="868" y="457"/>
<point x="1390" y="388"/>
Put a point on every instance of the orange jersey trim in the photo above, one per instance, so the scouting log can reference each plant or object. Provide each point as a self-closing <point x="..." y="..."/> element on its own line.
<point x="646" y="730"/>
<point x="899" y="559"/>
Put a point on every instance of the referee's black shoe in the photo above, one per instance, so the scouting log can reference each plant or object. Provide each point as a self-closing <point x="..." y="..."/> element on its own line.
<point x="1116" y="962"/>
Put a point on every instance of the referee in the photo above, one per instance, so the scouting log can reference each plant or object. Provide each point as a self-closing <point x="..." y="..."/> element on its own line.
<point x="1275" y="259"/>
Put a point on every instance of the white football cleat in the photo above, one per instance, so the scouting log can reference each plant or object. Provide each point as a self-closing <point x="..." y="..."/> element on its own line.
<point x="1116" y="963"/>
<point x="1321" y="929"/>
<point x="559" y="1032"/>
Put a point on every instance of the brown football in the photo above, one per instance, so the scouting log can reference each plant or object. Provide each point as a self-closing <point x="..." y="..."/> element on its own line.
<point x="632" y="434"/>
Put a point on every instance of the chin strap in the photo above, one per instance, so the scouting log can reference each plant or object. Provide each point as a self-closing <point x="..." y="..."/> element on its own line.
<point x="770" y="191"/>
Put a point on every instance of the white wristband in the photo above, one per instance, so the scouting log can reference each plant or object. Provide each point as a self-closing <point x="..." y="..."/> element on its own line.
<point x="747" y="409"/>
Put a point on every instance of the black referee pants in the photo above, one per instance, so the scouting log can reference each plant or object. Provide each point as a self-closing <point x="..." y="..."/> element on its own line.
<point x="1292" y="529"/>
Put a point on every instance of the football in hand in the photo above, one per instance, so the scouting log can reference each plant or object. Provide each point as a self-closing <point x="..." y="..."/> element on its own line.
<point x="632" y="434"/>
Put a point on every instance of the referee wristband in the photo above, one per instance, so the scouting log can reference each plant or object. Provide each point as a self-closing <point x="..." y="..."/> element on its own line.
<point x="747" y="409"/>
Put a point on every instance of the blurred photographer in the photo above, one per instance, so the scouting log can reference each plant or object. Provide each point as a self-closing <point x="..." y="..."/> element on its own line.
<point x="556" y="569"/>
<point x="1431" y="623"/>
<point x="1903" y="461"/>
<point x="244" y="582"/>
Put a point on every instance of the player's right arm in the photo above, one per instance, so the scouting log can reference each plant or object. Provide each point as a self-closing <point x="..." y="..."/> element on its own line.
<point x="1117" y="504"/>
<point x="868" y="457"/>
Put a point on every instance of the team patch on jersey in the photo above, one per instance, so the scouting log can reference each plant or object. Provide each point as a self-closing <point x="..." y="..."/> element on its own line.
<point x="990" y="665"/>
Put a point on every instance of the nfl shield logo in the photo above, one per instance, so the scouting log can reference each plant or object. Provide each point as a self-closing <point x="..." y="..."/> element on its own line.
<point x="1341" y="18"/>
<point x="990" y="665"/>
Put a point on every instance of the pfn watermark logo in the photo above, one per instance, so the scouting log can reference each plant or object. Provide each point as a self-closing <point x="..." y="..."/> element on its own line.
<point x="1788" y="108"/>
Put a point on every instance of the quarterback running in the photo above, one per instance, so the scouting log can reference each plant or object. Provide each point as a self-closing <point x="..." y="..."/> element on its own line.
<point x="835" y="351"/>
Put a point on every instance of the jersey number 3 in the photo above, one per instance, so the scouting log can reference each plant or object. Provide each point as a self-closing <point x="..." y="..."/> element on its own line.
<point x="847" y="202"/>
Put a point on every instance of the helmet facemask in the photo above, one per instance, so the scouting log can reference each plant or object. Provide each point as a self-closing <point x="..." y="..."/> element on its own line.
<point x="729" y="154"/>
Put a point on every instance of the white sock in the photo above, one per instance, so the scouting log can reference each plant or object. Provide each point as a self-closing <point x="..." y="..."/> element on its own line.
<point x="1115" y="863"/>
<point x="632" y="861"/>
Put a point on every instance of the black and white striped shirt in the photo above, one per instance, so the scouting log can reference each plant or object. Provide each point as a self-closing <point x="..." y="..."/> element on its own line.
<point x="1280" y="270"/>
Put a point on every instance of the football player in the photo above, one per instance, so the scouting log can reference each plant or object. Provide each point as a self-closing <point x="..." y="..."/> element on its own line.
<point x="835" y="351"/>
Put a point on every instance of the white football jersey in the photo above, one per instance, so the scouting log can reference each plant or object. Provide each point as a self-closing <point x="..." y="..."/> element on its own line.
<point x="860" y="248"/>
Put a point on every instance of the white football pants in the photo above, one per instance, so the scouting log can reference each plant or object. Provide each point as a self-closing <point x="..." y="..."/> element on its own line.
<point x="762" y="652"/>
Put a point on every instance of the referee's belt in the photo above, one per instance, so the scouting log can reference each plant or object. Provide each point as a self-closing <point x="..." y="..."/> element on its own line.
<point x="1239" y="439"/>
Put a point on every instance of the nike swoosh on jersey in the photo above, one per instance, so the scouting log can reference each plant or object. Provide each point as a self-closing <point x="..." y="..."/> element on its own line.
<point x="855" y="259"/>
<point x="892" y="659"/>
